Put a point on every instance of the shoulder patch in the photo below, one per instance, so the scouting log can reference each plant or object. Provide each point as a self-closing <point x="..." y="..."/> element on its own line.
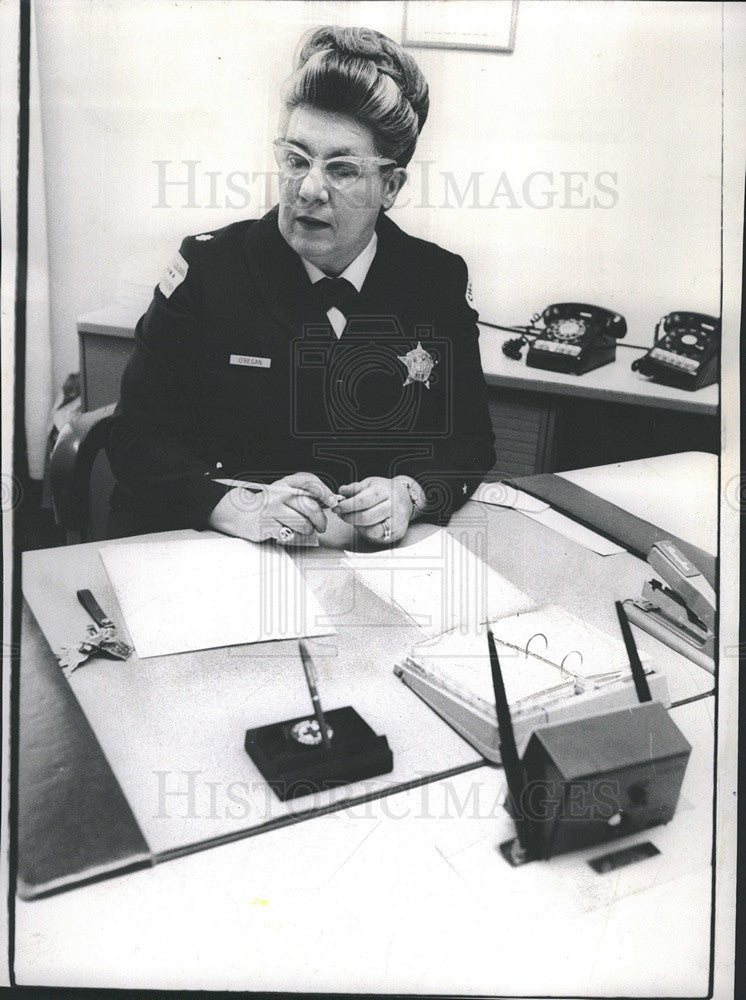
<point x="173" y="276"/>
<point x="204" y="236"/>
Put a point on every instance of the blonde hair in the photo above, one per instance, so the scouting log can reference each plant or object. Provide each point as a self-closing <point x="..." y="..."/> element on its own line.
<point x="362" y="73"/>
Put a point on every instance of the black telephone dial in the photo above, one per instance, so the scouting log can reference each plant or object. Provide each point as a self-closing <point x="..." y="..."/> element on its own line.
<point x="685" y="352"/>
<point x="576" y="338"/>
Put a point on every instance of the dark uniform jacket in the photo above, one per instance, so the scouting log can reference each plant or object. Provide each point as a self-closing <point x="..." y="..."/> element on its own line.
<point x="237" y="373"/>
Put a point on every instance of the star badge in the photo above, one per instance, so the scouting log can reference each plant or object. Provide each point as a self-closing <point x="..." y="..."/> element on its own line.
<point x="419" y="365"/>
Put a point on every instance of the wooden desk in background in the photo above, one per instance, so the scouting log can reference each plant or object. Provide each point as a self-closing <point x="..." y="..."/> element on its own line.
<point x="543" y="421"/>
<point x="408" y="894"/>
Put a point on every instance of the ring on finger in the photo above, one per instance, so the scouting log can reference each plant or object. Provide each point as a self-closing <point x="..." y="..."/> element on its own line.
<point x="386" y="525"/>
<point x="285" y="535"/>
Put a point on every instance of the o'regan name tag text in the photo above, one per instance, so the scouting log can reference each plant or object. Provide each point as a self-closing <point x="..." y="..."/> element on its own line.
<point x="249" y="361"/>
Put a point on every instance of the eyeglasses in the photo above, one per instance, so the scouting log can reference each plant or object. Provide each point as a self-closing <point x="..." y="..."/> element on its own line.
<point x="339" y="172"/>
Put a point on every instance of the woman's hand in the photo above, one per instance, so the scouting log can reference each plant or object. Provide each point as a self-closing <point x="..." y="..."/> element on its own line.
<point x="288" y="507"/>
<point x="379" y="509"/>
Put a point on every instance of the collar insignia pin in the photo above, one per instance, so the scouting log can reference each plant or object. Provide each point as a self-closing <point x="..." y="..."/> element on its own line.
<point x="419" y="365"/>
<point x="204" y="236"/>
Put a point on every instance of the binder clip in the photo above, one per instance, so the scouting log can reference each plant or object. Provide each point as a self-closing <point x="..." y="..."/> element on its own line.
<point x="681" y="615"/>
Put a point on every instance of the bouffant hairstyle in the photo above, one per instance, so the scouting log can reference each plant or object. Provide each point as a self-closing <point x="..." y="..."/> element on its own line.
<point x="362" y="73"/>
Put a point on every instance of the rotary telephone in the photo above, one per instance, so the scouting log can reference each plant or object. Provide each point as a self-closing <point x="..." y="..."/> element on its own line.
<point x="685" y="352"/>
<point x="575" y="338"/>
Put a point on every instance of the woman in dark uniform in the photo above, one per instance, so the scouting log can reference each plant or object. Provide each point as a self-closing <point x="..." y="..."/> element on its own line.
<point x="320" y="351"/>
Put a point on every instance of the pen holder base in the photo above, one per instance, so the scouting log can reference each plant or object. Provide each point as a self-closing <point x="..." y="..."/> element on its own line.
<point x="295" y="762"/>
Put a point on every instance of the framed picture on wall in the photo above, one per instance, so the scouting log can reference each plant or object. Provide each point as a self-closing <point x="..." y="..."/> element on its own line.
<point x="484" y="25"/>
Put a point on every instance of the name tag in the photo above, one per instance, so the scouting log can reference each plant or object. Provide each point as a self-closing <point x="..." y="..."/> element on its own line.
<point x="249" y="361"/>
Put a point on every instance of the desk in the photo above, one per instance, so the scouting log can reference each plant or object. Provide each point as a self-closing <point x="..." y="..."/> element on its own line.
<point x="407" y="893"/>
<point x="544" y="421"/>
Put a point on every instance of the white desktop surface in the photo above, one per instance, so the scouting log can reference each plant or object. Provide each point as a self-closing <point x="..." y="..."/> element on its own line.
<point x="406" y="894"/>
<point x="644" y="488"/>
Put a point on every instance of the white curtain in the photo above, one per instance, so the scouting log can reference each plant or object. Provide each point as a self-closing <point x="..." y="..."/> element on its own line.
<point x="39" y="385"/>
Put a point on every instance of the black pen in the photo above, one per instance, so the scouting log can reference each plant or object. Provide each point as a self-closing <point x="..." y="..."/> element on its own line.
<point x="310" y="671"/>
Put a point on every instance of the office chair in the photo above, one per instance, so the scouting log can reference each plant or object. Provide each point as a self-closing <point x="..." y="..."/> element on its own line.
<point x="79" y="494"/>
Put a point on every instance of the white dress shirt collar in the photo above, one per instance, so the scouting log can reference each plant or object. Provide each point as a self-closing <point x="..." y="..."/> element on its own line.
<point x="356" y="272"/>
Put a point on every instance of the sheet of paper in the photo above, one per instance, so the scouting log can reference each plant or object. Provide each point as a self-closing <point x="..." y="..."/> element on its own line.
<point x="438" y="583"/>
<point x="184" y="595"/>
<point x="575" y="532"/>
<point x="503" y="495"/>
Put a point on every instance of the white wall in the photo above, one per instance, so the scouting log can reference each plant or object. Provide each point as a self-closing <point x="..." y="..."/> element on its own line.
<point x="630" y="88"/>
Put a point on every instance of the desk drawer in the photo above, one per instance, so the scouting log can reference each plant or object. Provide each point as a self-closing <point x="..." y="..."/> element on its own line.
<point x="524" y="433"/>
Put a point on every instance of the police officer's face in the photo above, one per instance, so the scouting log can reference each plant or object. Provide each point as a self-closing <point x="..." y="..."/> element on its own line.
<point x="326" y="226"/>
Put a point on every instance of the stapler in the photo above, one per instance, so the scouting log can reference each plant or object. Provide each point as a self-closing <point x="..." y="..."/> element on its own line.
<point x="683" y="614"/>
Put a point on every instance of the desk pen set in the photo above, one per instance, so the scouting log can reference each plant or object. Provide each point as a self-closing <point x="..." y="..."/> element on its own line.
<point x="307" y="755"/>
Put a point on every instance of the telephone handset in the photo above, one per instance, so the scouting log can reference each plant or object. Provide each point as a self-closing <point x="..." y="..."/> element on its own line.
<point x="685" y="352"/>
<point x="576" y="338"/>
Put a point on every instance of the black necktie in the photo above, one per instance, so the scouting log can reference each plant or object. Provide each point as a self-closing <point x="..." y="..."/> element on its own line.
<point x="337" y="292"/>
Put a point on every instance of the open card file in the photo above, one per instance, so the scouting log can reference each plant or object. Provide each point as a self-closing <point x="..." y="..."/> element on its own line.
<point x="438" y="583"/>
<point x="589" y="675"/>
<point x="544" y="655"/>
<point x="459" y="663"/>
<point x="184" y="595"/>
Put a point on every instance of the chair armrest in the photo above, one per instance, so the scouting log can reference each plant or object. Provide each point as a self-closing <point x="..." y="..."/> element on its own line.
<point x="71" y="462"/>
